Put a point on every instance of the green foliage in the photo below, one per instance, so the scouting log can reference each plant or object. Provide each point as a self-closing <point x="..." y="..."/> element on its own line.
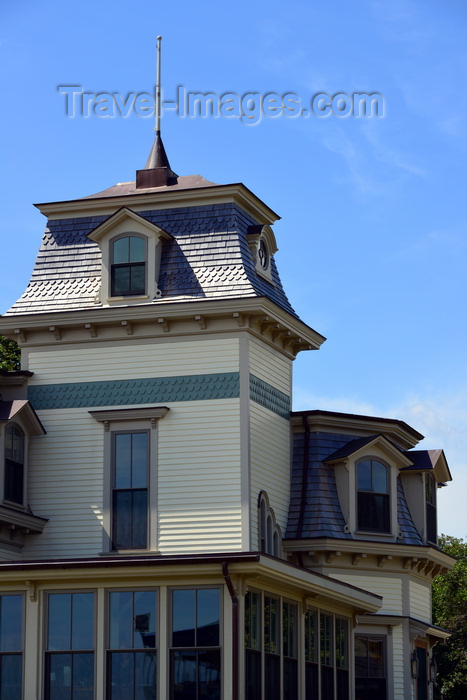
<point x="10" y="355"/>
<point x="450" y="612"/>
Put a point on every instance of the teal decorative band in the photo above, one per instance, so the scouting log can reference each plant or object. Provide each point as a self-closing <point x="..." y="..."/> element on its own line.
<point x="269" y="397"/>
<point x="124" y="392"/>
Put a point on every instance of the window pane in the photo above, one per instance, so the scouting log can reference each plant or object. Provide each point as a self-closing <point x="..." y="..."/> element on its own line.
<point x="252" y="620"/>
<point x="375" y="658"/>
<point x="14" y="442"/>
<point x="121" y="675"/>
<point x="310" y="635"/>
<point x="364" y="476"/>
<point x="59" y="677"/>
<point x="11" y="623"/>
<point x="145" y="665"/>
<point x="326" y="640"/>
<point x="341" y="643"/>
<point x="183" y="681"/>
<point x="289" y="627"/>
<point x="122" y="502"/>
<point x="207" y="618"/>
<point x="123" y="460"/>
<point x="183" y="618"/>
<point x="144" y="635"/>
<point x="253" y="675"/>
<point x="121" y="280"/>
<point x="209" y="675"/>
<point x="380" y="481"/>
<point x="271" y="621"/>
<point x="139" y="460"/>
<point x="137" y="278"/>
<point x="272" y="680"/>
<point x="361" y="657"/>
<point x="14" y="484"/>
<point x="11" y="673"/>
<point x="140" y="519"/>
<point x="120" y="250"/>
<point x="136" y="249"/>
<point x="59" y="621"/>
<point x="121" y="620"/>
<point x="83" y="677"/>
<point x="82" y="621"/>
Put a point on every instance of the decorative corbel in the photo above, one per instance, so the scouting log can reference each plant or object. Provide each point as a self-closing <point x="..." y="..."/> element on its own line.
<point x="163" y="323"/>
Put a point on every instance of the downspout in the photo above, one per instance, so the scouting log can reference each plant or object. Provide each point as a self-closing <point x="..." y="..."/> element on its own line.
<point x="235" y="617"/>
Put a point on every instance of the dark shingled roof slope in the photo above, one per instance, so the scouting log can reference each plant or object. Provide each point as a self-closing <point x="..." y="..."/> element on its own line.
<point x="314" y="503"/>
<point x="208" y="258"/>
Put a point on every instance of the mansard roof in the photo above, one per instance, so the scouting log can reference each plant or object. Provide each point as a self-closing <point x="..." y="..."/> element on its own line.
<point x="207" y="258"/>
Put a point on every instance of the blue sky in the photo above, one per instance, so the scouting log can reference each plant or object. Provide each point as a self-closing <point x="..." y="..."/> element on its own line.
<point x="372" y="239"/>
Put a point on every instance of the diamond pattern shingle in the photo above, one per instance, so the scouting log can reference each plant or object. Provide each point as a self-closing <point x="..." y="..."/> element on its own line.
<point x="207" y="258"/>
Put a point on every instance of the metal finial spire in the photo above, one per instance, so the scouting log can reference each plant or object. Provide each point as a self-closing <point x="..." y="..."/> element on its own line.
<point x="157" y="171"/>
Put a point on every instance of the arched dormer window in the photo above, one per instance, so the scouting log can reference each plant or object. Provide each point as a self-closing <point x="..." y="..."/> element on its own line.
<point x="269" y="530"/>
<point x="373" y="502"/>
<point x="14" y="464"/>
<point x="128" y="265"/>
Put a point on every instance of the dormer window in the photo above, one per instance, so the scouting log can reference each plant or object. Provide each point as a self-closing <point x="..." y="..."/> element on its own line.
<point x="128" y="266"/>
<point x="131" y="250"/>
<point x="270" y="540"/>
<point x="262" y="243"/>
<point x="373" y="503"/>
<point x="430" y="494"/>
<point x="14" y="464"/>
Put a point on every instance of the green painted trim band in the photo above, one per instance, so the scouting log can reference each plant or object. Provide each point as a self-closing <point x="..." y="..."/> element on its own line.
<point x="125" y="392"/>
<point x="269" y="397"/>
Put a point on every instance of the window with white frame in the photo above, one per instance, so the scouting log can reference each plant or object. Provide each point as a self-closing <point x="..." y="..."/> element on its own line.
<point x="13" y="489"/>
<point x="69" y="656"/>
<point x="128" y="265"/>
<point x="370" y="667"/>
<point x="130" y="477"/>
<point x="132" y="645"/>
<point x="11" y="646"/>
<point x="373" y="499"/>
<point x="195" y="644"/>
<point x="326" y="656"/>
<point x="271" y="647"/>
<point x="270" y="539"/>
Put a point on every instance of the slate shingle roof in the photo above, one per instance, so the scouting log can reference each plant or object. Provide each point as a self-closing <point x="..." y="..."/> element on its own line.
<point x="208" y="258"/>
<point x="314" y="503"/>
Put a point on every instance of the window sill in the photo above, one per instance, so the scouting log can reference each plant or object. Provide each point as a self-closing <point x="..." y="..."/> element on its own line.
<point x="128" y="297"/>
<point x="375" y="533"/>
<point x="132" y="552"/>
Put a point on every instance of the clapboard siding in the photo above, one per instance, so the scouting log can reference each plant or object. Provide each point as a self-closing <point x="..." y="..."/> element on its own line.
<point x="127" y="360"/>
<point x="199" y="484"/>
<point x="420" y="601"/>
<point x="269" y="464"/>
<point x="397" y="638"/>
<point x="65" y="482"/>
<point x="271" y="367"/>
<point x="388" y="587"/>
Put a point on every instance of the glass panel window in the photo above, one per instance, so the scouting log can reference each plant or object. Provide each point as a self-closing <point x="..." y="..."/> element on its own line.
<point x="253" y="645"/>
<point x="132" y="656"/>
<point x="370" y="667"/>
<point x="311" y="655"/>
<point x="342" y="658"/>
<point x="69" y="672"/>
<point x="14" y="464"/>
<point x="272" y="679"/>
<point x="431" y="525"/>
<point x="11" y="647"/>
<point x="130" y="492"/>
<point x="373" y="496"/>
<point x="128" y="267"/>
<point x="195" y="658"/>
<point x="289" y="650"/>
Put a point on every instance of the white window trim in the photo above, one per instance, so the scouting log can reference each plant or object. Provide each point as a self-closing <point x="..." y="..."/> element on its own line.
<point x="130" y="419"/>
<point x="127" y="222"/>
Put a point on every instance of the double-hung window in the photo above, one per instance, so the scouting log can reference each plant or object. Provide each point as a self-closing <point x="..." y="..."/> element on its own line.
<point x="69" y="657"/>
<point x="373" y="502"/>
<point x="271" y="647"/>
<point x="130" y="458"/>
<point x="132" y="655"/>
<point x="11" y="647"/>
<point x="195" y="654"/>
<point x="370" y="667"/>
<point x="14" y="464"/>
<point x="128" y="266"/>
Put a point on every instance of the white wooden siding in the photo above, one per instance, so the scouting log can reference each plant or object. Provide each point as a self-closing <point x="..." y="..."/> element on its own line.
<point x="388" y="587"/>
<point x="199" y="485"/>
<point x="271" y="367"/>
<point x="397" y="638"/>
<point x="128" y="360"/>
<point x="65" y="479"/>
<point x="269" y="465"/>
<point x="420" y="601"/>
